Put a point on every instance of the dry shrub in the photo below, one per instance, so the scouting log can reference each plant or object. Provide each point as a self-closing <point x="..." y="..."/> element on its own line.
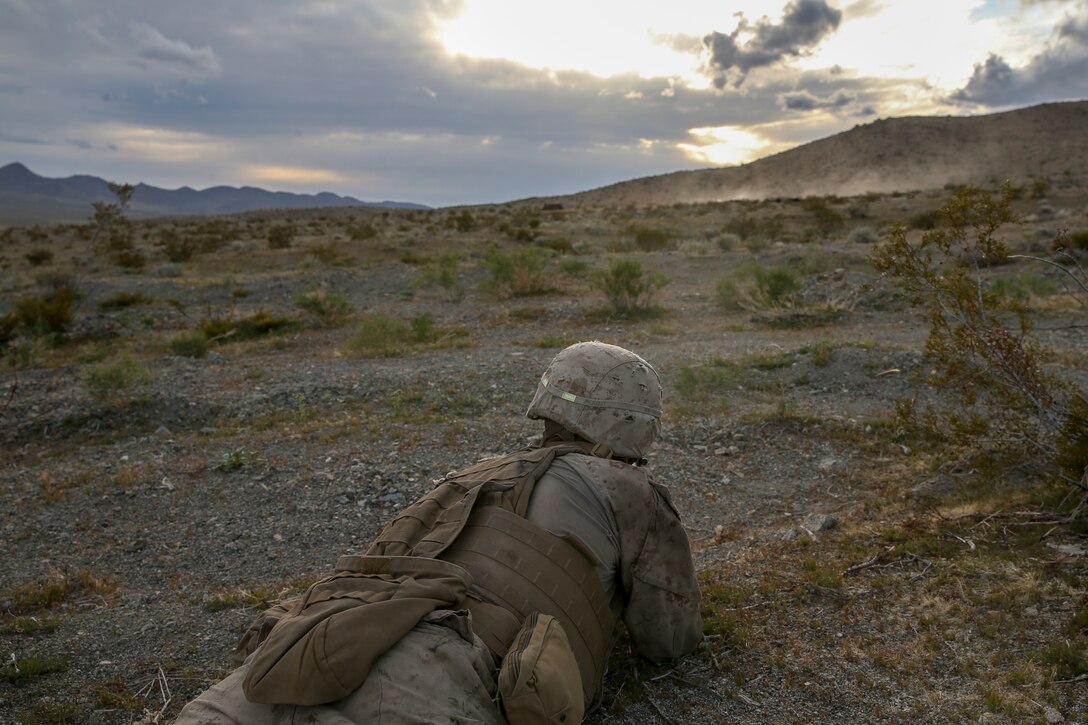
<point x="629" y="288"/>
<point x="523" y="272"/>
<point x="995" y="395"/>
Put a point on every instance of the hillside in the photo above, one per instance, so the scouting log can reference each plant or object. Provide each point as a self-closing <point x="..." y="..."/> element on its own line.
<point x="887" y="155"/>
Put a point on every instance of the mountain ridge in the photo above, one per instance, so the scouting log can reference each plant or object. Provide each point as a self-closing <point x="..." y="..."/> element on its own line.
<point x="888" y="155"/>
<point x="26" y="197"/>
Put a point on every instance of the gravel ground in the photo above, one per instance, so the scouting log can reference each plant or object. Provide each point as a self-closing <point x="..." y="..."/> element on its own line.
<point x="255" y="468"/>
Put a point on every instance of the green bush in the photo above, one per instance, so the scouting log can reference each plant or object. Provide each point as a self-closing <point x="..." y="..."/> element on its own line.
<point x="1040" y="188"/>
<point x="280" y="236"/>
<point x="9" y="323"/>
<point x="754" y="286"/>
<point x="573" y="267"/>
<point x="864" y="235"/>
<point x="172" y="269"/>
<point x="380" y="336"/>
<point x="214" y="234"/>
<point x="190" y="344"/>
<point x="463" y="222"/>
<point x="712" y="377"/>
<point x="827" y="219"/>
<point x="38" y="257"/>
<point x="522" y="272"/>
<point x="562" y="245"/>
<point x="1023" y="287"/>
<point x="384" y="336"/>
<point x="422" y="328"/>
<point x="123" y="300"/>
<point x="727" y="241"/>
<point x="361" y="232"/>
<point x="325" y="252"/>
<point x="330" y="309"/>
<point x="628" y="287"/>
<point x="27" y="668"/>
<point x="259" y="324"/>
<point x="51" y="313"/>
<point x="107" y="381"/>
<point x="649" y="239"/>
<point x="926" y="220"/>
<point x="748" y="227"/>
<point x="177" y="248"/>
<point x="776" y="283"/>
<point x="823" y="353"/>
<point x="443" y="272"/>
<point x="131" y="259"/>
<point x="1075" y="240"/>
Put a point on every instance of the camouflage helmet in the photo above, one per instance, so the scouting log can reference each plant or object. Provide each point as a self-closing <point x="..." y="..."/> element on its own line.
<point x="604" y="394"/>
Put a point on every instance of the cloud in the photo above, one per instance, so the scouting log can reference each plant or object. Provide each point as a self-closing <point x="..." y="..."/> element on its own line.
<point x="17" y="139"/>
<point x="1058" y="72"/>
<point x="804" y="24"/>
<point x="992" y="78"/>
<point x="363" y="96"/>
<point x="864" y="8"/>
<point x="807" y="101"/>
<point x="293" y="175"/>
<point x="155" y="48"/>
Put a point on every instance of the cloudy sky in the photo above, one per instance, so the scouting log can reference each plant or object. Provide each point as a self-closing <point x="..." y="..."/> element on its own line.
<point x="467" y="101"/>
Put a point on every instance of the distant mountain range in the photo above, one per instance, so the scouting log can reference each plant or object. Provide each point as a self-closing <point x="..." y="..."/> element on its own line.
<point x="26" y="198"/>
<point x="1048" y="141"/>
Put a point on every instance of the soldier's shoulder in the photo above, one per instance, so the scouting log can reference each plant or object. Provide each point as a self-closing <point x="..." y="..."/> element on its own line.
<point x="611" y="474"/>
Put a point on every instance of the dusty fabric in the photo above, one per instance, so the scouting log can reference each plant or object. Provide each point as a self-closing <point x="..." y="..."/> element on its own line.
<point x="430" y="524"/>
<point x="568" y="504"/>
<point x="437" y="673"/>
<point x="656" y="572"/>
<point x="539" y="682"/>
<point x="258" y="631"/>
<point x="322" y="649"/>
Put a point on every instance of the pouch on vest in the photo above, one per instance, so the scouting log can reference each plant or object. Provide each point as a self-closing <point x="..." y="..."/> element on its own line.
<point x="539" y="680"/>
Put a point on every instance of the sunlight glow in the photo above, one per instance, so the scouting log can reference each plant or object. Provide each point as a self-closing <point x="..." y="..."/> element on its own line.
<point x="293" y="175"/>
<point x="155" y="144"/>
<point x="726" y="145"/>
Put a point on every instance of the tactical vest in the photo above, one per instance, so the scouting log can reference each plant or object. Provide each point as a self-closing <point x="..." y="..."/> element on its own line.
<point x="475" y="518"/>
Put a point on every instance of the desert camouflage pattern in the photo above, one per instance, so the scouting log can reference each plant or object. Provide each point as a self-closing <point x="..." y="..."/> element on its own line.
<point x="603" y="393"/>
<point x="440" y="672"/>
<point x="658" y="590"/>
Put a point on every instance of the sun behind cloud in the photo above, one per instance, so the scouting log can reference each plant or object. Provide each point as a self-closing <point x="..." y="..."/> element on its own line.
<point x="727" y="146"/>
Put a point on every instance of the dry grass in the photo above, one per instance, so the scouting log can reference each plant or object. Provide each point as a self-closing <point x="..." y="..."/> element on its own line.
<point x="960" y="609"/>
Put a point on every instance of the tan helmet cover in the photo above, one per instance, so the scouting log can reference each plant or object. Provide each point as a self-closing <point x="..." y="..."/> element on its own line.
<point x="603" y="393"/>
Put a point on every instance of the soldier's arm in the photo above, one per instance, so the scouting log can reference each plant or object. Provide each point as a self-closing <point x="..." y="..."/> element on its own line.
<point x="662" y="610"/>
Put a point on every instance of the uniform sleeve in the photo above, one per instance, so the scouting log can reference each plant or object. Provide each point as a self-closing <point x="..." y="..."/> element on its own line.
<point x="662" y="607"/>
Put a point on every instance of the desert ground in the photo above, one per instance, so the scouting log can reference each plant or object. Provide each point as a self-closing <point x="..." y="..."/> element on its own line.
<point x="222" y="417"/>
